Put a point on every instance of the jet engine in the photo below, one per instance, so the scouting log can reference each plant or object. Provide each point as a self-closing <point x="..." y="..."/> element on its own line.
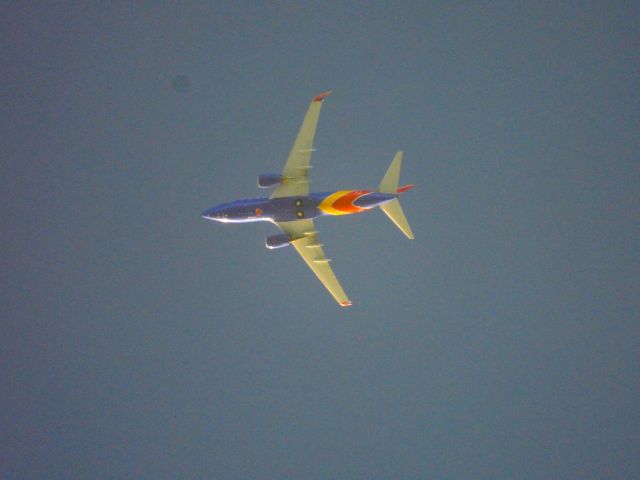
<point x="267" y="180"/>
<point x="278" y="241"/>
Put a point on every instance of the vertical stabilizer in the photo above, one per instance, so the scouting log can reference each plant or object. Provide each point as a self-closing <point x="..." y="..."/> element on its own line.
<point x="389" y="184"/>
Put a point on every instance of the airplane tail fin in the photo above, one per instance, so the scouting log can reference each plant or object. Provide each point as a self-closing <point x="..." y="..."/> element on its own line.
<point x="389" y="184"/>
<point x="393" y="210"/>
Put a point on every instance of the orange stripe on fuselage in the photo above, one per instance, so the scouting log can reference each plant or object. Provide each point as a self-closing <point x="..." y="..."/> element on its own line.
<point x="327" y="204"/>
<point x="345" y="203"/>
<point x="341" y="202"/>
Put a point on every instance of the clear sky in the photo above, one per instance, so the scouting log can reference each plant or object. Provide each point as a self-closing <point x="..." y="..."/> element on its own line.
<point x="141" y="341"/>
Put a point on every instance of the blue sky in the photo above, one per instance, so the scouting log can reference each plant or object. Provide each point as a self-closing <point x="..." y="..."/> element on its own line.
<point x="140" y="341"/>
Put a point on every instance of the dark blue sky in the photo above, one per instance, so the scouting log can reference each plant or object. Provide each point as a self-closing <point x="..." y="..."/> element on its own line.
<point x="141" y="341"/>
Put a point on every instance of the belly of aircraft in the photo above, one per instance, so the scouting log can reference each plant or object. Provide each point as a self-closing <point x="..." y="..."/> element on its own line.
<point x="287" y="209"/>
<point x="342" y="202"/>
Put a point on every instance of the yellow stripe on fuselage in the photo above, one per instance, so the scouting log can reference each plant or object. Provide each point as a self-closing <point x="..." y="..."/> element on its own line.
<point x="326" y="205"/>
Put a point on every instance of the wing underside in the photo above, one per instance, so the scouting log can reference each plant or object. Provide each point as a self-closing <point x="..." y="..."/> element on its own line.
<point x="296" y="170"/>
<point x="307" y="245"/>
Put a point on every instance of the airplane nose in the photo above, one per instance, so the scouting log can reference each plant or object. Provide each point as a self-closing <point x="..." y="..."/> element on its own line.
<point x="218" y="213"/>
<point x="210" y="213"/>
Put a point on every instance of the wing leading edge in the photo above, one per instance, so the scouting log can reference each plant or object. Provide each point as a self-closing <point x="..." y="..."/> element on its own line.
<point x="296" y="170"/>
<point x="307" y="245"/>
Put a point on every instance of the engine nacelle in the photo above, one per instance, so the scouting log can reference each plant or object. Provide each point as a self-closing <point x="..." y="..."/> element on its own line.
<point x="267" y="180"/>
<point x="277" y="241"/>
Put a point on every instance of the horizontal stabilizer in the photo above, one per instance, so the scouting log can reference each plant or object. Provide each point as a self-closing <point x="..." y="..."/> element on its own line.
<point x="393" y="210"/>
<point x="389" y="183"/>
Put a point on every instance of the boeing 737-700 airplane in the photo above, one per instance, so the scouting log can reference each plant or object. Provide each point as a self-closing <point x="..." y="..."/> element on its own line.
<point x="292" y="208"/>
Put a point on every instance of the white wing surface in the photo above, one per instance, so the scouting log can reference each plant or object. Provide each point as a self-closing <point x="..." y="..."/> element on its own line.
<point x="296" y="170"/>
<point x="306" y="243"/>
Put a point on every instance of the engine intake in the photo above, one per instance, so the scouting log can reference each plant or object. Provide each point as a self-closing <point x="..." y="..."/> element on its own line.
<point x="267" y="180"/>
<point x="278" y="241"/>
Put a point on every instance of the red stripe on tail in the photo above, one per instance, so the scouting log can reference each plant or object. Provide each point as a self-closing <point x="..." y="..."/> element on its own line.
<point x="322" y="96"/>
<point x="405" y="188"/>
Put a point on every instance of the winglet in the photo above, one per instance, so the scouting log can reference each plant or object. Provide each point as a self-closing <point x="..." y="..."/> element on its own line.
<point x="322" y="96"/>
<point x="346" y="303"/>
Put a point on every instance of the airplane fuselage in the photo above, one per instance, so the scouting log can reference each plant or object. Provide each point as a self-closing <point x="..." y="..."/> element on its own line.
<point x="287" y="209"/>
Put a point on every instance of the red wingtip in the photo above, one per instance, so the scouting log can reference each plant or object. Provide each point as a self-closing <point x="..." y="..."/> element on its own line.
<point x="346" y="303"/>
<point x="405" y="188"/>
<point x="322" y="96"/>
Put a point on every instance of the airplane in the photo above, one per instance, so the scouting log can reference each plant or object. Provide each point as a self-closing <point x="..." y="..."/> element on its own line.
<point x="292" y="208"/>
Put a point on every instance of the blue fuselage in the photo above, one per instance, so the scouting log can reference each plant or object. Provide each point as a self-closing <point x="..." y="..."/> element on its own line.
<point x="286" y="209"/>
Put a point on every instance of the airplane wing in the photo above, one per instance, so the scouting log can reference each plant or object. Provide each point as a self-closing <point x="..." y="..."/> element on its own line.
<point x="296" y="170"/>
<point x="306" y="243"/>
